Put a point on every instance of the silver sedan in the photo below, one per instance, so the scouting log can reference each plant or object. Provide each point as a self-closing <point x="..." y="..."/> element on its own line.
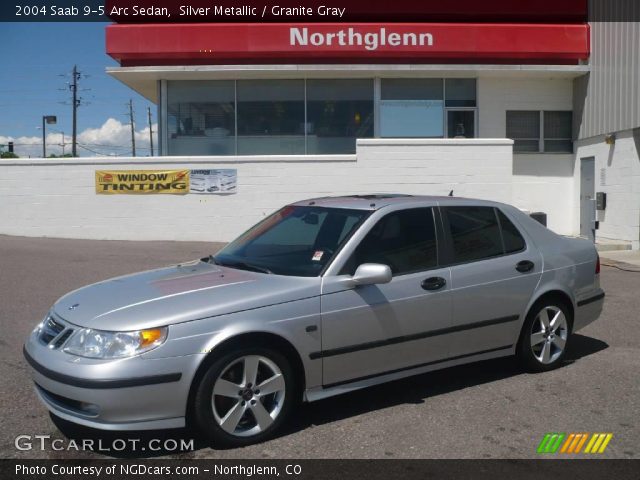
<point x="323" y="297"/>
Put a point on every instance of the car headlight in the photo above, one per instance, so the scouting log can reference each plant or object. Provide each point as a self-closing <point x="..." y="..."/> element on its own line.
<point x="91" y="343"/>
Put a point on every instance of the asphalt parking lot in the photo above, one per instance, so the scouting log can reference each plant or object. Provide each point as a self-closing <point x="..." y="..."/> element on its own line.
<point x="485" y="410"/>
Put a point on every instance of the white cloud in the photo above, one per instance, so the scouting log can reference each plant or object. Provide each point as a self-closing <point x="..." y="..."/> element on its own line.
<point x="112" y="138"/>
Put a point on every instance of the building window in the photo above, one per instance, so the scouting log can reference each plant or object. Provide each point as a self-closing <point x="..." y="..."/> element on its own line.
<point x="201" y="118"/>
<point x="558" y="128"/>
<point x="412" y="108"/>
<point x="534" y="131"/>
<point x="460" y="92"/>
<point x="270" y="117"/>
<point x="338" y="112"/>
<point x="523" y="127"/>
<point x="317" y="116"/>
<point x="461" y="123"/>
<point x="428" y="107"/>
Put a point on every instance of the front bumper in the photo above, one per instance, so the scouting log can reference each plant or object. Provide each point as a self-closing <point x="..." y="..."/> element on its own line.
<point x="127" y="394"/>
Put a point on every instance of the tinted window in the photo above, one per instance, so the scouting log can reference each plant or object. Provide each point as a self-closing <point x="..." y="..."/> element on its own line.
<point x="338" y="112"/>
<point x="403" y="240"/>
<point x="460" y="92"/>
<point x="270" y="117"/>
<point x="296" y="240"/>
<point x="475" y="233"/>
<point x="513" y="241"/>
<point x="201" y="117"/>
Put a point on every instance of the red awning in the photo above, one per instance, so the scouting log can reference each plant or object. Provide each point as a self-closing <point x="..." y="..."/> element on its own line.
<point x="184" y="44"/>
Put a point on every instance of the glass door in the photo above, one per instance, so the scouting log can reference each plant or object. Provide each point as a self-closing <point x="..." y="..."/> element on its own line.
<point x="461" y="123"/>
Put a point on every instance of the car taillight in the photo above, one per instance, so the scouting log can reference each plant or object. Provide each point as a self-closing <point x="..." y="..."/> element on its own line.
<point x="598" y="264"/>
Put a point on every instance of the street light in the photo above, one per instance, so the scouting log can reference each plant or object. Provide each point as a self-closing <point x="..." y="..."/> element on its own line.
<point x="48" y="120"/>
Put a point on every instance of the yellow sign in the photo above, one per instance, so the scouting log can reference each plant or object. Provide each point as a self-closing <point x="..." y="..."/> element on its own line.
<point x="119" y="182"/>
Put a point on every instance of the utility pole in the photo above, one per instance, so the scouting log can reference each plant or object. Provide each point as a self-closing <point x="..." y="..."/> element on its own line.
<point x="133" y="129"/>
<point x="150" y="130"/>
<point x="75" y="103"/>
<point x="44" y="139"/>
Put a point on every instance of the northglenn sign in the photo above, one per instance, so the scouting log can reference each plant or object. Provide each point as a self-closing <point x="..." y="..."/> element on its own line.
<point x="182" y="44"/>
<point x="351" y="37"/>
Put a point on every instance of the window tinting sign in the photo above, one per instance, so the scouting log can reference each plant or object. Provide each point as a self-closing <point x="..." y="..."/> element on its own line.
<point x="130" y="182"/>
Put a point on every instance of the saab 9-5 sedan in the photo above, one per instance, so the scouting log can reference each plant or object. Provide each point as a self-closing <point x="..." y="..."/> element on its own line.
<point x="323" y="297"/>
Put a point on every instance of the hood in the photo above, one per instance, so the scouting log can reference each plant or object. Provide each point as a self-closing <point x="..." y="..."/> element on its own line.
<point x="178" y="294"/>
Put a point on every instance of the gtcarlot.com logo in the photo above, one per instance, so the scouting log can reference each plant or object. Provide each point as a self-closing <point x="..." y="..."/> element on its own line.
<point x="574" y="443"/>
<point x="46" y="442"/>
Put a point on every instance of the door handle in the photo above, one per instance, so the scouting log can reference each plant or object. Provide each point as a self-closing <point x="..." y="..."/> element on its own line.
<point x="525" y="266"/>
<point x="433" y="283"/>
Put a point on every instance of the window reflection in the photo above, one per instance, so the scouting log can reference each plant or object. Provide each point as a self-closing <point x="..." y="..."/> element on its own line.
<point x="270" y="117"/>
<point x="201" y="118"/>
<point x="338" y="112"/>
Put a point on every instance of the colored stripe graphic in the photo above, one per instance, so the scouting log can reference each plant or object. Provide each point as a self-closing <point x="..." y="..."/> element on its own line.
<point x="543" y="443"/>
<point x="598" y="443"/>
<point x="551" y="442"/>
<point x="607" y="439"/>
<point x="594" y="437"/>
<point x="573" y="442"/>
<point x="581" y="443"/>
<point x="571" y="438"/>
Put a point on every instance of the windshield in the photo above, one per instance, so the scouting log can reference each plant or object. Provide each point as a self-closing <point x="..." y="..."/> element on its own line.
<point x="296" y="241"/>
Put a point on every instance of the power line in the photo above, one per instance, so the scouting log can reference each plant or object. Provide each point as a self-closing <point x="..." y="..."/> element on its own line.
<point x="97" y="153"/>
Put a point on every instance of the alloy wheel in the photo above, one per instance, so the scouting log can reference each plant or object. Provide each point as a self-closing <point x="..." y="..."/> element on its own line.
<point x="549" y="333"/>
<point x="248" y="395"/>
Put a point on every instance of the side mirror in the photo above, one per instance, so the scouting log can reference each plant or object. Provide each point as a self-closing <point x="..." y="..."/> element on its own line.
<point x="371" y="274"/>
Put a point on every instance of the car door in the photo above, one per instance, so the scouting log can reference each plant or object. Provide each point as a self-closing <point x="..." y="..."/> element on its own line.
<point x="370" y="330"/>
<point x="494" y="273"/>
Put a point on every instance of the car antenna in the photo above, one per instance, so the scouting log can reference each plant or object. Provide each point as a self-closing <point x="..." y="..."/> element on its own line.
<point x="451" y="193"/>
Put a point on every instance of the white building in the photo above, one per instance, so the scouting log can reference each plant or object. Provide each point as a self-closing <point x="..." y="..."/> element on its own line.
<point x="538" y="107"/>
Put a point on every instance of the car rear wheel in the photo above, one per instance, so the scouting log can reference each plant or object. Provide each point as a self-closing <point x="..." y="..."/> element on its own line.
<point x="244" y="397"/>
<point x="545" y="335"/>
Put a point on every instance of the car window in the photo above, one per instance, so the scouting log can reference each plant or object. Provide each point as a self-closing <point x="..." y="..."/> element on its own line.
<point x="404" y="240"/>
<point x="513" y="241"/>
<point x="296" y="240"/>
<point x="475" y="233"/>
<point x="293" y="230"/>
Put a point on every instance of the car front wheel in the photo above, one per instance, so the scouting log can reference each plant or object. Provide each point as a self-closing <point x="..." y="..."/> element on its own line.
<point x="244" y="397"/>
<point x="545" y="335"/>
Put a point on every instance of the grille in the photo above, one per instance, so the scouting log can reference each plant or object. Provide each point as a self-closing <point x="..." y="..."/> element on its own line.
<point x="62" y="338"/>
<point x="54" y="333"/>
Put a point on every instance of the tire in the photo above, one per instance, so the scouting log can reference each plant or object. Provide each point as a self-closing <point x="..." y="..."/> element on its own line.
<point x="238" y="412"/>
<point x="542" y="346"/>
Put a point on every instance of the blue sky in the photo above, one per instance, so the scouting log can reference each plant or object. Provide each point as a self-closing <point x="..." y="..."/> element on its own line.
<point x="34" y="56"/>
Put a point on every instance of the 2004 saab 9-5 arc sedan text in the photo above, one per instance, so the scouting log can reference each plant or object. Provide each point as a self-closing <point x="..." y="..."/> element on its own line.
<point x="323" y="297"/>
